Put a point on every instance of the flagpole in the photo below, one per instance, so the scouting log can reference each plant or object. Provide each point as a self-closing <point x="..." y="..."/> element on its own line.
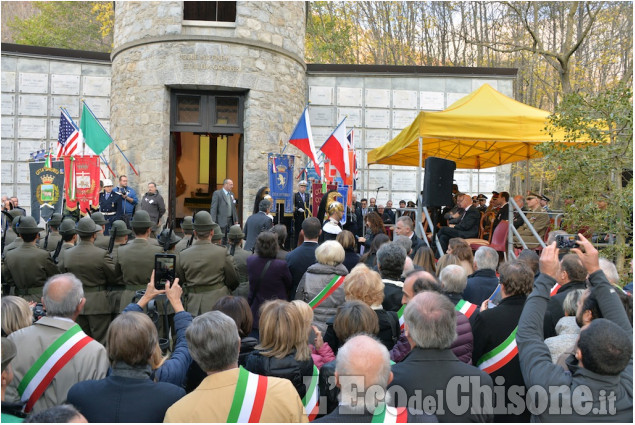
<point x="106" y="131"/>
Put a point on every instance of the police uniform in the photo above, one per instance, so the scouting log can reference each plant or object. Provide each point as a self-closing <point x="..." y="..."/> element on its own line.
<point x="110" y="205"/>
<point x="94" y="267"/>
<point x="205" y="270"/>
<point x="27" y="267"/>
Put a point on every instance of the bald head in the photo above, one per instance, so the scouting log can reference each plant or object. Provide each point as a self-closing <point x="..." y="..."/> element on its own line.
<point x="361" y="362"/>
<point x="63" y="296"/>
<point x="430" y="321"/>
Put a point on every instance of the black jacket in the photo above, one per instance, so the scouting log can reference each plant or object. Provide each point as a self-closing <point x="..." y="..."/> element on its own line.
<point x="351" y="259"/>
<point x="299" y="261"/>
<point x="480" y="285"/>
<point x="393" y="293"/>
<point x="468" y="226"/>
<point x="287" y="367"/>
<point x="255" y="224"/>
<point x="555" y="311"/>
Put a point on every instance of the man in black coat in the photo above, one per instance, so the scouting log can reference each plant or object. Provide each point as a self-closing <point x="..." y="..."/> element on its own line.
<point x="301" y="206"/>
<point x="432" y="371"/>
<point x="503" y="210"/>
<point x="405" y="227"/>
<point x="466" y="228"/>
<point x="493" y="327"/>
<point x="483" y="282"/>
<point x="303" y="256"/>
<point x="257" y="223"/>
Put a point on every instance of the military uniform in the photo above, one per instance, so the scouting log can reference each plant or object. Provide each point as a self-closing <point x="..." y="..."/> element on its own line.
<point x="205" y="270"/>
<point x="110" y="205"/>
<point x="94" y="267"/>
<point x="540" y="222"/>
<point x="239" y="258"/>
<point x="50" y="242"/>
<point x="17" y="242"/>
<point x="101" y="241"/>
<point x="27" y="267"/>
<point x="116" y="288"/>
<point x="67" y="228"/>
<point x="135" y="263"/>
<point x="187" y="227"/>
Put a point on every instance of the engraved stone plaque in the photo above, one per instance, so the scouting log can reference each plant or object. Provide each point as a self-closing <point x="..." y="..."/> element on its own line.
<point x="7" y="174"/>
<point x="8" y="82"/>
<point x="377" y="118"/>
<point x="8" y="104"/>
<point x="404" y="181"/>
<point x="320" y="95"/>
<point x="404" y="99"/>
<point x="65" y="84"/>
<point x="23" y="174"/>
<point x="31" y="128"/>
<point x="32" y="105"/>
<point x="33" y="83"/>
<point x="348" y="96"/>
<point x="7" y="150"/>
<point x="453" y="97"/>
<point x="319" y="135"/>
<point x="8" y="128"/>
<point x="432" y="100"/>
<point x="27" y="147"/>
<point x="402" y="119"/>
<point x="377" y="179"/>
<point x="70" y="103"/>
<point x="322" y="116"/>
<point x="378" y="98"/>
<point x="100" y="107"/>
<point x="96" y="86"/>
<point x="354" y="118"/>
<point x="376" y="138"/>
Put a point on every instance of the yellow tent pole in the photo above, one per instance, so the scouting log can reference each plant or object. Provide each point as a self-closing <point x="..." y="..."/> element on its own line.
<point x="419" y="196"/>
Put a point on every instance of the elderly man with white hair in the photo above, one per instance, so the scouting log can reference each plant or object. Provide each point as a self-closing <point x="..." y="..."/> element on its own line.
<point x="454" y="281"/>
<point x="362" y="373"/>
<point x="483" y="282"/>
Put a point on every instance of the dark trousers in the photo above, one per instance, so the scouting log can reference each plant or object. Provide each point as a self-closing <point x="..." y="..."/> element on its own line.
<point x="445" y="234"/>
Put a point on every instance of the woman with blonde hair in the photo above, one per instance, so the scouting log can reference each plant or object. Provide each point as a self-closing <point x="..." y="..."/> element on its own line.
<point x="326" y="272"/>
<point x="283" y="351"/>
<point x="445" y="261"/>
<point x="365" y="285"/>
<point x="320" y="351"/>
<point x="462" y="250"/>
<point x="16" y="314"/>
<point x="347" y="240"/>
<point x="424" y="257"/>
<point x="128" y="394"/>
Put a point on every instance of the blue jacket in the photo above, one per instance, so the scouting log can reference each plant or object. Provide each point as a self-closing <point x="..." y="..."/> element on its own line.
<point x="174" y="369"/>
<point x="128" y="207"/>
<point x="480" y="285"/>
<point x="299" y="261"/>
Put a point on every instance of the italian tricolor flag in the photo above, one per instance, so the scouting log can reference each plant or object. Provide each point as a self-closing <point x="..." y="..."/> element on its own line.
<point x="400" y="316"/>
<point x="390" y="415"/>
<point x="310" y="400"/>
<point x="466" y="308"/>
<point x="554" y="289"/>
<point x="332" y="286"/>
<point x="499" y="356"/>
<point x="249" y="398"/>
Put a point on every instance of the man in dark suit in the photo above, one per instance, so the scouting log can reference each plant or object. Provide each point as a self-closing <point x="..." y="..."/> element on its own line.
<point x="363" y="363"/>
<point x="405" y="227"/>
<point x="483" y="282"/>
<point x="431" y="370"/>
<point x="503" y="210"/>
<point x="301" y="206"/>
<point x="223" y="209"/>
<point x="466" y="228"/>
<point x="303" y="256"/>
<point x="257" y="223"/>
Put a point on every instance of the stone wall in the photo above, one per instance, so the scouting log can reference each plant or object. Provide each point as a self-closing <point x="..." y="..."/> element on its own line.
<point x="147" y="64"/>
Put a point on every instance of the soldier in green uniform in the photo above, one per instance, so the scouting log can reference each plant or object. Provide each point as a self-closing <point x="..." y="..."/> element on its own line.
<point x="10" y="234"/>
<point x="206" y="270"/>
<point x="174" y="240"/>
<point x="49" y="242"/>
<point x="101" y="241"/>
<point x="69" y="238"/>
<point x="27" y="267"/>
<point x="135" y="260"/>
<point x="16" y="240"/>
<point x="94" y="267"/>
<point x="239" y="256"/>
<point x="538" y="219"/>
<point x="119" y="233"/>
<point x="186" y="225"/>
<point x="217" y="236"/>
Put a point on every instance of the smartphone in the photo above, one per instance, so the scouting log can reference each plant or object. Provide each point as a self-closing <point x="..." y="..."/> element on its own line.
<point x="566" y="241"/>
<point x="163" y="269"/>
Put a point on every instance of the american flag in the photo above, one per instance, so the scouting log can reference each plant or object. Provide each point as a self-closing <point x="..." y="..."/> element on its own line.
<point x="68" y="137"/>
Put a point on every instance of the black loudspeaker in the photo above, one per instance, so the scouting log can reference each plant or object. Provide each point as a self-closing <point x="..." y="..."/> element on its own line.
<point x="437" y="182"/>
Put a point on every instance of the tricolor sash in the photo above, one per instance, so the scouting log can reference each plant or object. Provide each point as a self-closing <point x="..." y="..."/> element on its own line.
<point x="52" y="360"/>
<point x="554" y="289"/>
<point x="400" y="316"/>
<point x="389" y="415"/>
<point x="310" y="400"/>
<point x="249" y="398"/>
<point x="465" y="307"/>
<point x="492" y="361"/>
<point x="332" y="286"/>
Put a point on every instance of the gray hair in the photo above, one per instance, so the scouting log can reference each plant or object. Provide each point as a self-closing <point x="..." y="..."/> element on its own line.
<point x="431" y="320"/>
<point x="66" y="306"/>
<point x="213" y="341"/>
<point x="404" y="241"/>
<point x="610" y="271"/>
<point x="570" y="303"/>
<point x="264" y="205"/>
<point x="486" y="258"/>
<point x="330" y="253"/>
<point x="406" y="221"/>
<point x="391" y="258"/>
<point x="453" y="278"/>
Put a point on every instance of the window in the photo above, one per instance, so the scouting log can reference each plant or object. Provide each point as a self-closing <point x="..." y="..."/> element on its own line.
<point x="207" y="112"/>
<point x="218" y="11"/>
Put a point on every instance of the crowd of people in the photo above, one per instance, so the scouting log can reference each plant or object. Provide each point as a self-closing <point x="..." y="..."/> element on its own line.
<point x="252" y="330"/>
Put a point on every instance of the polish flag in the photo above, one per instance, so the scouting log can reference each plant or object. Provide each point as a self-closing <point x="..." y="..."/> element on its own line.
<point x="302" y="138"/>
<point x="336" y="149"/>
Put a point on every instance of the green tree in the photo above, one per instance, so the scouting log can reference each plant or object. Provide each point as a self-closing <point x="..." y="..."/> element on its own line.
<point x="591" y="173"/>
<point x="74" y="25"/>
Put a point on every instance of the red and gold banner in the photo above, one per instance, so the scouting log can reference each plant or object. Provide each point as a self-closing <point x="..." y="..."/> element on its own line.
<point x="317" y="195"/>
<point x="81" y="181"/>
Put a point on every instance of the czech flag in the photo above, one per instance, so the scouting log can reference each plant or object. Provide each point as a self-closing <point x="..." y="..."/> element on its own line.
<point x="302" y="138"/>
<point x="336" y="149"/>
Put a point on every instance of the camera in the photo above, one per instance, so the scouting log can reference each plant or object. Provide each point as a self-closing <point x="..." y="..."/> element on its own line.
<point x="38" y="312"/>
<point x="566" y="241"/>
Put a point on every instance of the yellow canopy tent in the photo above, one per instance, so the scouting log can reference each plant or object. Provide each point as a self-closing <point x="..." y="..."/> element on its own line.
<point x="484" y="129"/>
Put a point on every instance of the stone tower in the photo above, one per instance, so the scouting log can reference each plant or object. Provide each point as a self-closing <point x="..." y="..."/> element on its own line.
<point x="157" y="51"/>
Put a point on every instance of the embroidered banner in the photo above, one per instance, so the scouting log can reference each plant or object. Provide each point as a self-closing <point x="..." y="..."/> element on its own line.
<point x="47" y="188"/>
<point x="81" y="182"/>
<point x="280" y="169"/>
